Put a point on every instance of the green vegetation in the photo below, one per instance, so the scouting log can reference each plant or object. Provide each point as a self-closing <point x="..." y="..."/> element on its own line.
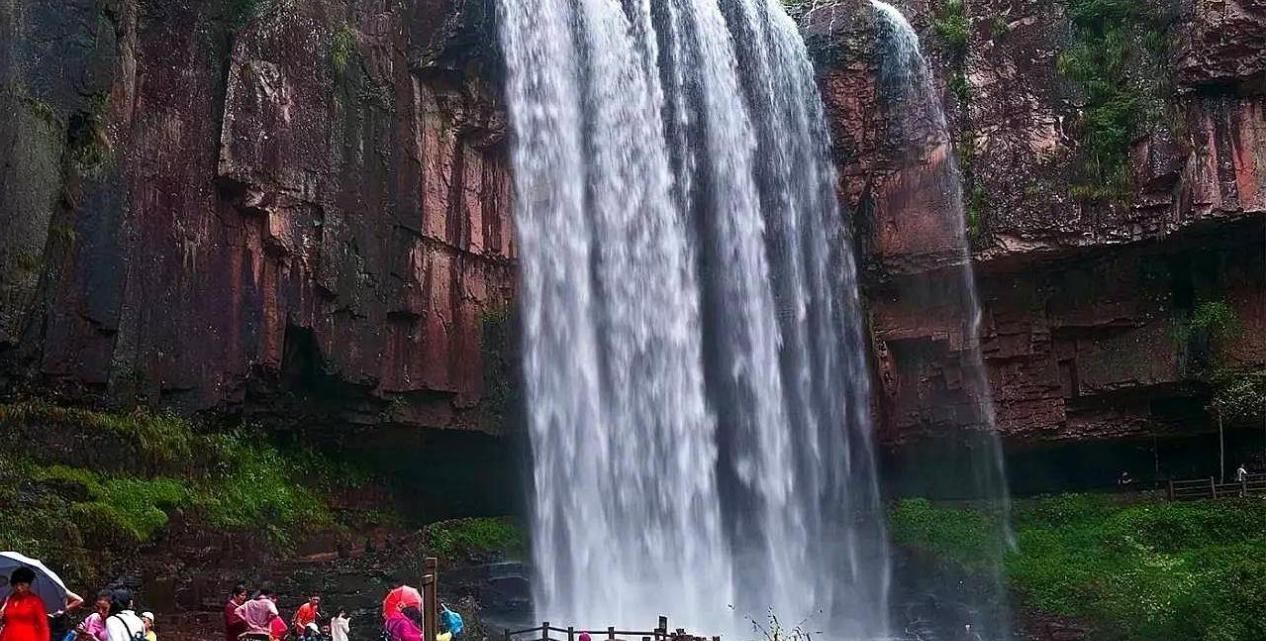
<point x="163" y="440"/>
<point x="134" y="507"/>
<point x="88" y="142"/>
<point x="1239" y="398"/>
<point x="1217" y="319"/>
<point x="1113" y="43"/>
<point x="960" y="536"/>
<point x="41" y="109"/>
<point x="1138" y="571"/>
<point x="954" y="29"/>
<point x="27" y="262"/>
<point x="119" y="476"/>
<point x="475" y="537"/>
<point x="257" y="488"/>
<point x="1210" y="326"/>
<point x="342" y="48"/>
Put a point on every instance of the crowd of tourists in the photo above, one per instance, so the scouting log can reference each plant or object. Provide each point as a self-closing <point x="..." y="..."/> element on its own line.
<point x="257" y="618"/>
<point x="26" y="616"/>
<point x="31" y="610"/>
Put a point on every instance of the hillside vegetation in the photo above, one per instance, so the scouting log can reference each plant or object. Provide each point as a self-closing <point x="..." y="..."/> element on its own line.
<point x="1137" y="571"/>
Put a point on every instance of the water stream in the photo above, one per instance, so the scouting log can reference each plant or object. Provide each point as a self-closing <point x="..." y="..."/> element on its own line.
<point x="914" y="106"/>
<point x="694" y="364"/>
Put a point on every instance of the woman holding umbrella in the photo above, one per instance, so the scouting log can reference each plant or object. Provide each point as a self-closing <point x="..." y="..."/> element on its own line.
<point x="22" y="614"/>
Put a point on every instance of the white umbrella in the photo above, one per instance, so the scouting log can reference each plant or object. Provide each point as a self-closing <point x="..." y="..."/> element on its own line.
<point x="47" y="585"/>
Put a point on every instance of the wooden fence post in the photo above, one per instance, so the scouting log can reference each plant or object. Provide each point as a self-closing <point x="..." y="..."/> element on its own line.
<point x="1171" y="489"/>
<point x="1213" y="487"/>
<point x="430" y="586"/>
<point x="611" y="632"/>
<point x="571" y="633"/>
<point x="545" y="631"/>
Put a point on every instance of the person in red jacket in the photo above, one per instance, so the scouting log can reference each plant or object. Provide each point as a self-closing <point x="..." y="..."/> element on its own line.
<point x="307" y="613"/>
<point x="23" y="614"/>
<point x="234" y="625"/>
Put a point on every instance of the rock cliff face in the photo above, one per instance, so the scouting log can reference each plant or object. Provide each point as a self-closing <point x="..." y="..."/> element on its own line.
<point x="208" y="203"/>
<point x="282" y="206"/>
<point x="1089" y="293"/>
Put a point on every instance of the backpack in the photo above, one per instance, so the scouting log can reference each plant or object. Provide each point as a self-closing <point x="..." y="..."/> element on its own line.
<point x="451" y="621"/>
<point x="133" y="636"/>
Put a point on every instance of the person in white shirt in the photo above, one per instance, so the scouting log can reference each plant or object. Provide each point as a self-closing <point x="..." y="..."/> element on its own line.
<point x="122" y="624"/>
<point x="340" y="626"/>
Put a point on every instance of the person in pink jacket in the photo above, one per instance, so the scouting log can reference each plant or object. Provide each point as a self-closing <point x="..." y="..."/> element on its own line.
<point x="405" y="624"/>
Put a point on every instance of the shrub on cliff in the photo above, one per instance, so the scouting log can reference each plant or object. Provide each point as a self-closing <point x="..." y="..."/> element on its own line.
<point x="475" y="538"/>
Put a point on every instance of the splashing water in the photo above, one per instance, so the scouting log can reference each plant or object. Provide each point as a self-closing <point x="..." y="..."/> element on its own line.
<point x="694" y="363"/>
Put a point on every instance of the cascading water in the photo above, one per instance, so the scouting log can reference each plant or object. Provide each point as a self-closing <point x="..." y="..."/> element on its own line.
<point x="907" y="83"/>
<point x="696" y="389"/>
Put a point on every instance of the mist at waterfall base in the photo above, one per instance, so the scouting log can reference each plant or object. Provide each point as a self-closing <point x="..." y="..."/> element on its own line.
<point x="968" y="463"/>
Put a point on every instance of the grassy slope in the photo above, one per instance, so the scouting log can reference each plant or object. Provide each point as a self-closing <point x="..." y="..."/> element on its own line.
<point x="81" y="485"/>
<point x="81" y="480"/>
<point x="1148" y="571"/>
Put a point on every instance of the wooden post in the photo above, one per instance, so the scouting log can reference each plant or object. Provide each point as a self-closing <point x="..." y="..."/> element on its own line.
<point x="430" y="586"/>
<point x="611" y="632"/>
<point x="545" y="631"/>
<point x="1221" y="449"/>
<point x="662" y="629"/>
<point x="1213" y="487"/>
<point x="571" y="633"/>
<point x="507" y="635"/>
<point x="1171" y="489"/>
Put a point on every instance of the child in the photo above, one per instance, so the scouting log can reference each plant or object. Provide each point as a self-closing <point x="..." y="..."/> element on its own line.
<point x="148" y="619"/>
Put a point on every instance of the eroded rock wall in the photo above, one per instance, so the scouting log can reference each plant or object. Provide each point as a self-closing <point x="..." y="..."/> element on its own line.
<point x="207" y="203"/>
<point x="1081" y="292"/>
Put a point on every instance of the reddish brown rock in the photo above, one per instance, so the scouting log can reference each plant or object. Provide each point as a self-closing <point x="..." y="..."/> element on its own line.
<point x="1080" y="298"/>
<point x="312" y="200"/>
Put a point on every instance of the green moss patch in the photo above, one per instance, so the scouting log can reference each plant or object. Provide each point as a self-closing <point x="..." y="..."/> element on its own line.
<point x="476" y="537"/>
<point x="158" y="465"/>
<point x="162" y="440"/>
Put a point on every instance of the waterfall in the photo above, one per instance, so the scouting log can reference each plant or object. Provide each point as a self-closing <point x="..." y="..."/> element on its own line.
<point x="907" y="83"/>
<point x="694" y="369"/>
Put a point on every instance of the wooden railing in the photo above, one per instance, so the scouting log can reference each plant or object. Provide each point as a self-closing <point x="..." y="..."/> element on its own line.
<point x="547" y="632"/>
<point x="1209" y="488"/>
